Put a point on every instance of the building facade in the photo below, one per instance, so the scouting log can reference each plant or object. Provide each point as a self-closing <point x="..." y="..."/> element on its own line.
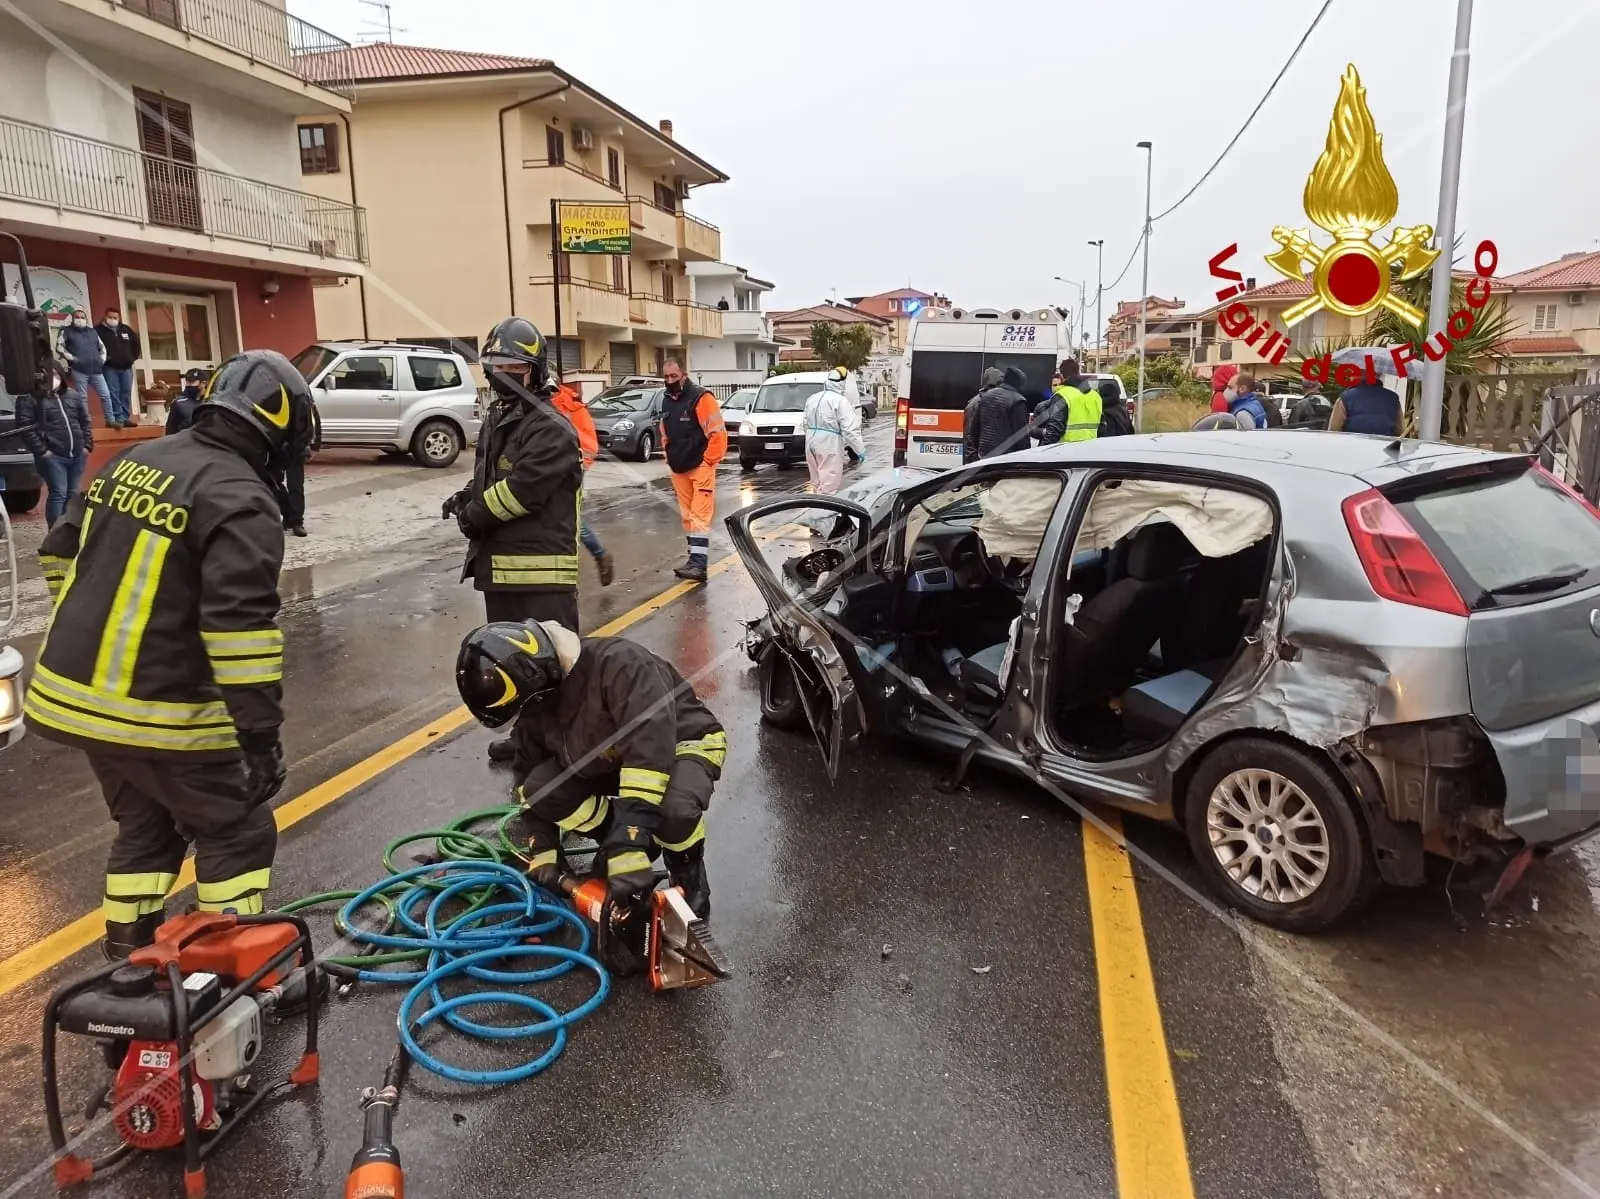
<point x="748" y="349"/>
<point x="900" y="307"/>
<point x="478" y="146"/>
<point x="1556" y="309"/>
<point x="794" y="325"/>
<point x="1122" y="327"/>
<point x="149" y="163"/>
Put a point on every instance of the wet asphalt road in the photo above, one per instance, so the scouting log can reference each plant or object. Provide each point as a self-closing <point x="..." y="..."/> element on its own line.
<point x="859" y="1050"/>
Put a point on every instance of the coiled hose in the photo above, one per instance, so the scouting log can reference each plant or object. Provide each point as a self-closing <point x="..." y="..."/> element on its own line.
<point x="466" y="914"/>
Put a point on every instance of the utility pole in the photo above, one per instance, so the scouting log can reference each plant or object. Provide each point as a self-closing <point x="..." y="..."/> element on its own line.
<point x="1430" y="409"/>
<point x="1144" y="284"/>
<point x="1099" y="285"/>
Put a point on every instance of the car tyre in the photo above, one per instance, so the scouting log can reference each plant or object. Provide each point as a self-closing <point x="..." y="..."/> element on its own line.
<point x="780" y="692"/>
<point x="1247" y="807"/>
<point x="647" y="446"/>
<point x="747" y="464"/>
<point x="23" y="500"/>
<point x="436" y="444"/>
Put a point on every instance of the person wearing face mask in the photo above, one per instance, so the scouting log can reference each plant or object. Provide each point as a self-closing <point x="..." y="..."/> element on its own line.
<point x="122" y="351"/>
<point x="181" y="415"/>
<point x="85" y="355"/>
<point x="695" y="440"/>
<point x="58" y="433"/>
<point x="1223" y="392"/>
<point x="520" y="512"/>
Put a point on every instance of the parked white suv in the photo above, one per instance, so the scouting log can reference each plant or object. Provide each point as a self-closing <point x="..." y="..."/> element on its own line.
<point x="408" y="399"/>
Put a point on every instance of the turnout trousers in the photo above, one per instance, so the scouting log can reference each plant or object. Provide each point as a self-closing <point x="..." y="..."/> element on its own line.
<point x="516" y="606"/>
<point x="161" y="804"/>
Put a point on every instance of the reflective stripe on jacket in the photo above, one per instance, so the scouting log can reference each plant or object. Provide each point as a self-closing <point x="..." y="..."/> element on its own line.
<point x="1083" y="413"/>
<point x="523" y="510"/>
<point x="164" y="637"/>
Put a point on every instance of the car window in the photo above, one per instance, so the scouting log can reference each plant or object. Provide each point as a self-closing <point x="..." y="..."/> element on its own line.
<point x="785" y="397"/>
<point x="1009" y="514"/>
<point x="740" y="401"/>
<point x="1507" y="529"/>
<point x="364" y="372"/>
<point x="311" y="360"/>
<point x="629" y="400"/>
<point x="434" y="374"/>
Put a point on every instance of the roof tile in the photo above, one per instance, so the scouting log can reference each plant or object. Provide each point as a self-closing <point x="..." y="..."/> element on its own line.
<point x="386" y="60"/>
<point x="1570" y="272"/>
<point x="1541" y="345"/>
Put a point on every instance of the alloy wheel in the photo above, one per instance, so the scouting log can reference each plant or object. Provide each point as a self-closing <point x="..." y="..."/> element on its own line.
<point x="1268" y="836"/>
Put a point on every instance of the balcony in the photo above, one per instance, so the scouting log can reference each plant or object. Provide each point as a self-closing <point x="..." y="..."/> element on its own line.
<point x="701" y="321"/>
<point x="700" y="241"/>
<point x="746" y="325"/>
<point x="655" y="230"/>
<point x="252" y="48"/>
<point x="141" y="198"/>
<point x="654" y="315"/>
<point x="584" y="304"/>
<point x="545" y="181"/>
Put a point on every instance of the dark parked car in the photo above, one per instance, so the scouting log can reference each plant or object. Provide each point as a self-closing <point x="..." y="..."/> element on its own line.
<point x="627" y="419"/>
<point x="20" y="484"/>
<point x="1323" y="658"/>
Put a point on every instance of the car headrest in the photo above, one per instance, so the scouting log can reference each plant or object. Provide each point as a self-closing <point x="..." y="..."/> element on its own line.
<point x="1157" y="550"/>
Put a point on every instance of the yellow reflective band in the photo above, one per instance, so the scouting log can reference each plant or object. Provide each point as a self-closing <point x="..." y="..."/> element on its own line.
<point x="72" y="573"/>
<point x="536" y="561"/>
<point x="140" y="886"/>
<point x="713" y="747"/>
<point x="54" y="586"/>
<point x="587" y="816"/>
<point x="500" y="501"/>
<point x="45" y="711"/>
<point x="533" y="578"/>
<point x="237" y="892"/>
<point x="693" y="839"/>
<point x="635" y="861"/>
<point x="636" y="782"/>
<point x="125" y="911"/>
<point x="144" y="711"/>
<point x="243" y="643"/>
<point x="545" y="857"/>
<point x="247" y="672"/>
<point x="130" y="613"/>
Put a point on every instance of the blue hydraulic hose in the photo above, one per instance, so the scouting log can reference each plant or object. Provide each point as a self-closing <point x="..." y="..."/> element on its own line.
<point x="510" y="912"/>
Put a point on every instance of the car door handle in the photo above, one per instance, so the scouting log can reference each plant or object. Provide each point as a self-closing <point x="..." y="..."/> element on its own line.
<point x="387" y="397"/>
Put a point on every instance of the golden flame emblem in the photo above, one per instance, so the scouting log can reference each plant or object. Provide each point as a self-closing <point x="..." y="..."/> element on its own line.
<point x="1350" y="194"/>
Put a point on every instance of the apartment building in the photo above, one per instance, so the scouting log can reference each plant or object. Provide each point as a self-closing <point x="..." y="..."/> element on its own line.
<point x="748" y="348"/>
<point x="794" y="324"/>
<point x="901" y="307"/>
<point x="149" y="162"/>
<point x="457" y="158"/>
<point x="1556" y="307"/>
<point x="1122" y="327"/>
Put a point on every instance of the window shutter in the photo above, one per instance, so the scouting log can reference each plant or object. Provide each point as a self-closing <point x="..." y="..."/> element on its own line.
<point x="152" y="126"/>
<point x="180" y="131"/>
<point x="330" y="139"/>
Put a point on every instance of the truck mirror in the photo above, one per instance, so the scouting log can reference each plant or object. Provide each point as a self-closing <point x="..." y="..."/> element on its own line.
<point x="24" y="350"/>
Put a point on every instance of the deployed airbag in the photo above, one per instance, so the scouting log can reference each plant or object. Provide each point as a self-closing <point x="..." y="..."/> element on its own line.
<point x="1015" y="513"/>
<point x="1217" y="521"/>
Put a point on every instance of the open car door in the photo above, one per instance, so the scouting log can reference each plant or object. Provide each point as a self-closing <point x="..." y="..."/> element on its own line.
<point x="798" y="596"/>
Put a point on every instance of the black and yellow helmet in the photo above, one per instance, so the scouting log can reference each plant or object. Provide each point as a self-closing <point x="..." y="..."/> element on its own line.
<point x="502" y="666"/>
<point x="515" y="341"/>
<point x="264" y="387"/>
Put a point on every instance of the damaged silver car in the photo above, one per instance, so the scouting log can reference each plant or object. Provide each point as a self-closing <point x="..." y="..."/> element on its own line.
<point x="1323" y="657"/>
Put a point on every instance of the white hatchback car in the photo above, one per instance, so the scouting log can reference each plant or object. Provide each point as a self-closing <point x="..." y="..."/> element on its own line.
<point x="407" y="399"/>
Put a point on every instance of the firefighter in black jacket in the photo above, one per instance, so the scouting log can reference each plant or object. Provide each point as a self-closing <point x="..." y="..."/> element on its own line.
<point x="611" y="742"/>
<point x="164" y="660"/>
<point x="520" y="512"/>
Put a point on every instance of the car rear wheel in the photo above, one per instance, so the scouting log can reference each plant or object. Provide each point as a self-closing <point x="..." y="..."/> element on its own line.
<point x="647" y="446"/>
<point x="21" y="501"/>
<point x="747" y="464"/>
<point x="436" y="444"/>
<point x="780" y="692"/>
<point x="1277" y="836"/>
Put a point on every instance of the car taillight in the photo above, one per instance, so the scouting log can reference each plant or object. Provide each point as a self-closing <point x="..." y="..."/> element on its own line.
<point x="902" y="426"/>
<point x="1569" y="489"/>
<point x="1399" y="564"/>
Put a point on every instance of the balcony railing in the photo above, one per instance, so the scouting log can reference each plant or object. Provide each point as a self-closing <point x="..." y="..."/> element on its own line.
<point x="260" y="31"/>
<point x="77" y="174"/>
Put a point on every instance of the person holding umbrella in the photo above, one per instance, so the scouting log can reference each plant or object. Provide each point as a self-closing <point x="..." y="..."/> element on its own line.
<point x="1367" y="407"/>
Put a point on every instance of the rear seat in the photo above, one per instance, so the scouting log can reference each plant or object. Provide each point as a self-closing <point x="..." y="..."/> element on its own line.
<point x="1154" y="710"/>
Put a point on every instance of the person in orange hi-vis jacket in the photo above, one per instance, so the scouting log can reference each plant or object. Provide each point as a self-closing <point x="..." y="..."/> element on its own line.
<point x="695" y="441"/>
<point x="570" y="404"/>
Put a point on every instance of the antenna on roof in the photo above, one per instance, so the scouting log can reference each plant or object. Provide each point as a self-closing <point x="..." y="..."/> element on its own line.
<point x="382" y="29"/>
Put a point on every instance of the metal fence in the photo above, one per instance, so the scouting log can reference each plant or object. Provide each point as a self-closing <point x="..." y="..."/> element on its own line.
<point x="262" y="32"/>
<point x="78" y="174"/>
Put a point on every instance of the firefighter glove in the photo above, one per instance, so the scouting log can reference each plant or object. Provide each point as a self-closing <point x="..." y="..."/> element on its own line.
<point x="264" y="766"/>
<point x="626" y="850"/>
<point x="453" y="505"/>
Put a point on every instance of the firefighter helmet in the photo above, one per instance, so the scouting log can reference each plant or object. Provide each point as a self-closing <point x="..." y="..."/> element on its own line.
<point x="502" y="666"/>
<point x="264" y="387"/>
<point x="515" y="341"/>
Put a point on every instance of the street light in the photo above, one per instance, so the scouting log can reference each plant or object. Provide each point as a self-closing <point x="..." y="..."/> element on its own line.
<point x="1099" y="284"/>
<point x="1144" y="285"/>
<point x="1430" y="408"/>
<point x="1082" y="305"/>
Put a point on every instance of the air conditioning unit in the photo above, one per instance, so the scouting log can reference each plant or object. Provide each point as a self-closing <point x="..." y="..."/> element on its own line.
<point x="683" y="189"/>
<point x="327" y="247"/>
<point x="583" y="139"/>
<point x="1577" y="297"/>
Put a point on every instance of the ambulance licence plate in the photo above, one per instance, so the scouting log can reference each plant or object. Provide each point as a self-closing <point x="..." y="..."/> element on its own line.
<point x="941" y="447"/>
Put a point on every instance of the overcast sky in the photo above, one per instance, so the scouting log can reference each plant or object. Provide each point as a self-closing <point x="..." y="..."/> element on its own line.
<point x="974" y="148"/>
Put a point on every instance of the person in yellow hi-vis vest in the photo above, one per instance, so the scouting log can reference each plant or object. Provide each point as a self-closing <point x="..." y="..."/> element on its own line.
<point x="1073" y="411"/>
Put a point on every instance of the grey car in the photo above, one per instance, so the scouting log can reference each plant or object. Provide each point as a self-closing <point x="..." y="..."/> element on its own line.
<point x="627" y="419"/>
<point x="1323" y="657"/>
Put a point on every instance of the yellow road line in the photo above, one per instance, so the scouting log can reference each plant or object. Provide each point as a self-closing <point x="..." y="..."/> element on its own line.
<point x="48" y="952"/>
<point x="1146" y="1125"/>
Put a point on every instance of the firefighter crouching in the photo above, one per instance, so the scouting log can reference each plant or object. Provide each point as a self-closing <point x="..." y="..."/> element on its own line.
<point x="611" y="743"/>
<point x="164" y="661"/>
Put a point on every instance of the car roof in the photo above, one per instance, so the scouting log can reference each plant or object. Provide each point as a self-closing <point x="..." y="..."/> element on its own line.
<point x="1371" y="459"/>
<point x="801" y="377"/>
<point x="409" y="347"/>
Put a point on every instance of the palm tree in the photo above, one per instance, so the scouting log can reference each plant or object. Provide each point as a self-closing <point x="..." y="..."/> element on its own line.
<point x="1481" y="351"/>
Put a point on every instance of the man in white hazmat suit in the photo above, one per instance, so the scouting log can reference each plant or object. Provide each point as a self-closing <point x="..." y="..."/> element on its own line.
<point x="833" y="423"/>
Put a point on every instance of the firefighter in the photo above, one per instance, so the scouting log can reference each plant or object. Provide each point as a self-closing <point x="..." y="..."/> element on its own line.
<point x="163" y="660"/>
<point x="611" y="742"/>
<point x="695" y="441"/>
<point x="520" y="512"/>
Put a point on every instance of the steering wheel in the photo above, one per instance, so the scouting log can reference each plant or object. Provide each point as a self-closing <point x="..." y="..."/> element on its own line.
<point x="994" y="570"/>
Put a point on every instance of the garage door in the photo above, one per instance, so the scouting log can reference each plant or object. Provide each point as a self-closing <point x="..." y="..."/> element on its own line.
<point x="624" y="360"/>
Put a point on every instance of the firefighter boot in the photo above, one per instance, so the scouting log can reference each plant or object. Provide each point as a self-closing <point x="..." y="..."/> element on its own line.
<point x="123" y="939"/>
<point x="687" y="869"/>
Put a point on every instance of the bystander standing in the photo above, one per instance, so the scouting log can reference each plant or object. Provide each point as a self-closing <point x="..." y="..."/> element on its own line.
<point x="122" y="351"/>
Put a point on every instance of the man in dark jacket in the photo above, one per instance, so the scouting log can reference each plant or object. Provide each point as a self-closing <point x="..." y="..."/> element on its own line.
<point x="696" y="438"/>
<point x="60" y="439"/>
<point x="992" y="377"/>
<point x="520" y="512"/>
<point x="164" y="660"/>
<point x="181" y="415"/>
<point x="1114" y="418"/>
<point x="1368" y="408"/>
<point x="1003" y="415"/>
<point x="1311" y="410"/>
<point x="291" y="485"/>
<point x="122" y="351"/>
<point x="85" y="356"/>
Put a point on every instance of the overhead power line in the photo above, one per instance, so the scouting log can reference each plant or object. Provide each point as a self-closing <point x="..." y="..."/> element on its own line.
<point x="1278" y="78"/>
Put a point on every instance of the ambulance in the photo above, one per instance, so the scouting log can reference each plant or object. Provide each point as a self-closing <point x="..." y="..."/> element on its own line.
<point x="947" y="352"/>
